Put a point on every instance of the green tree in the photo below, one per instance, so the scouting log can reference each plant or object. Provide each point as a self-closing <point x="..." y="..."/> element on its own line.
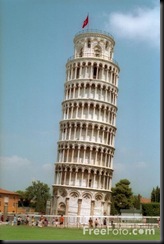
<point x="151" y="209"/>
<point x="136" y="201"/>
<point x="38" y="194"/>
<point x="113" y="210"/>
<point x="122" y="195"/>
<point x="155" y="194"/>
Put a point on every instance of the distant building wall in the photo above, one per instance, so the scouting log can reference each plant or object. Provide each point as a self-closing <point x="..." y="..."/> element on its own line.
<point x="8" y="201"/>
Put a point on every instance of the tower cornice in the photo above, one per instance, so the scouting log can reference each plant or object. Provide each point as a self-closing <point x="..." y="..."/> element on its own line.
<point x="94" y="33"/>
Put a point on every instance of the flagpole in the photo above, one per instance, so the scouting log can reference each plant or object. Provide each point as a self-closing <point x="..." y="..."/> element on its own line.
<point x="88" y="21"/>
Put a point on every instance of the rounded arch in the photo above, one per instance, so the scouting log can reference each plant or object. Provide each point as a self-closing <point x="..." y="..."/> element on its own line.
<point x="61" y="208"/>
<point x="87" y="195"/>
<point x="98" y="197"/>
<point x="63" y="192"/>
<point x="74" y="194"/>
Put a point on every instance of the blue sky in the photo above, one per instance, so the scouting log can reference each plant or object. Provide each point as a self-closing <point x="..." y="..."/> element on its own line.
<point x="36" y="41"/>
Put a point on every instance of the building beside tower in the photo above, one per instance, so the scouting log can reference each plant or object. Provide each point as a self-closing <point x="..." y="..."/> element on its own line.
<point x="84" y="167"/>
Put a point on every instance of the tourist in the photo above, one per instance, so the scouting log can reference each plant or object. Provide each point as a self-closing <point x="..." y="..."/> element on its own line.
<point x="56" y="222"/>
<point x="61" y="220"/>
<point x="2" y="218"/>
<point x="19" y="220"/>
<point x="53" y="221"/>
<point x="15" y="220"/>
<point x="105" y="222"/>
<point x="90" y="222"/>
<point x="27" y="220"/>
<point x="32" y="221"/>
<point x="96" y="222"/>
<point x="45" y="222"/>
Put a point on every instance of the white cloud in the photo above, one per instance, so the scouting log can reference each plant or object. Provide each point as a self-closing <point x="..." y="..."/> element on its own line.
<point x="14" y="161"/>
<point x="48" y="167"/>
<point x="17" y="173"/>
<point x="139" y="25"/>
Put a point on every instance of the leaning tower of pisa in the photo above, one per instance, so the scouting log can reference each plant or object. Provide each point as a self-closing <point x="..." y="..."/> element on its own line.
<point x="84" y="167"/>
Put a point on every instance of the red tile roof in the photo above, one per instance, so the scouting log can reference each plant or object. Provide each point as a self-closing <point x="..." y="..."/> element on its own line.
<point x="145" y="200"/>
<point x="3" y="191"/>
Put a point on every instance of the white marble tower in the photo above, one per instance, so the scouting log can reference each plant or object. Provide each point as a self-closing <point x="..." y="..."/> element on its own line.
<point x="84" y="167"/>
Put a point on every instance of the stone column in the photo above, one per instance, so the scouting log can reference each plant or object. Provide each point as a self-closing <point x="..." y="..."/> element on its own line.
<point x="77" y="106"/>
<point x="82" y="176"/>
<point x="102" y="207"/>
<point x="65" y="174"/>
<point x="101" y="157"/>
<point x="56" y="205"/>
<point x="70" y="178"/>
<point x="78" y="93"/>
<point x="109" y="208"/>
<point x="66" y="211"/>
<point x="67" y="153"/>
<point x="92" y="207"/>
<point x="79" y="206"/>
<point x="74" y="87"/>
<point x="71" y="111"/>
<point x="106" y="156"/>
<point x="106" y="94"/>
<point x="67" y="205"/>
<point x="94" y="176"/>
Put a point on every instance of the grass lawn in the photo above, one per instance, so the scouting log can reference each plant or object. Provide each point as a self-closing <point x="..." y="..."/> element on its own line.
<point x="13" y="233"/>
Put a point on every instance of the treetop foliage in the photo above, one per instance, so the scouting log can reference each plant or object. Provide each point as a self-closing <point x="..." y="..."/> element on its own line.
<point x="35" y="196"/>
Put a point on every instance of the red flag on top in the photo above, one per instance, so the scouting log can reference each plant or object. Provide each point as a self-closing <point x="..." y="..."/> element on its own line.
<point x="85" y="22"/>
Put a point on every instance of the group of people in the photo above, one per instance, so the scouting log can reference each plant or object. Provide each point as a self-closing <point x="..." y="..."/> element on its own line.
<point x="19" y="220"/>
<point x="58" y="222"/>
<point x="96" y="223"/>
<point x="42" y="221"/>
